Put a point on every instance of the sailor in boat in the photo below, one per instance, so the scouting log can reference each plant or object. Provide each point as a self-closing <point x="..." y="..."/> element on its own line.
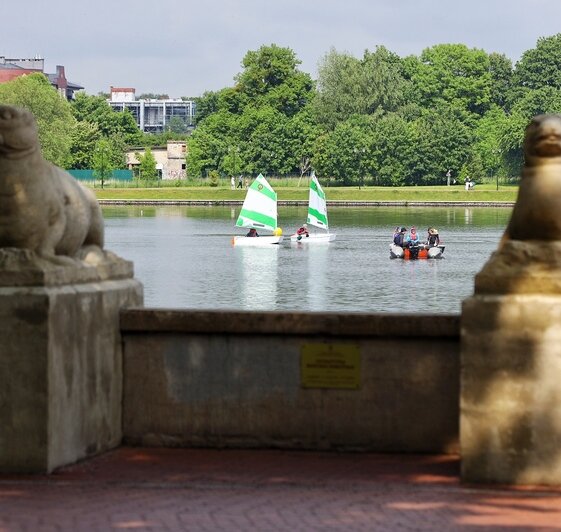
<point x="303" y="232"/>
<point x="412" y="242"/>
<point x="252" y="232"/>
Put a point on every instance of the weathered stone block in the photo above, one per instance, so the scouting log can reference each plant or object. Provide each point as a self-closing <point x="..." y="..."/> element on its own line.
<point x="510" y="398"/>
<point x="61" y="368"/>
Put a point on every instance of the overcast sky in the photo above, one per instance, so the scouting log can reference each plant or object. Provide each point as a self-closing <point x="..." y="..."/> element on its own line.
<point x="185" y="47"/>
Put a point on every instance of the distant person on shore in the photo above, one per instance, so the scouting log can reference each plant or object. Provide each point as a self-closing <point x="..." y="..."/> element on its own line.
<point x="240" y="181"/>
<point x="232" y="183"/>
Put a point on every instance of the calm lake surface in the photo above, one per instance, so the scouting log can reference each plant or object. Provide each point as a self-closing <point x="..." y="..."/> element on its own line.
<point x="184" y="258"/>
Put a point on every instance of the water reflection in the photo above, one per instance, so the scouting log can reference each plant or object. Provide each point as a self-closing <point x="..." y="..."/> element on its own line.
<point x="259" y="276"/>
<point x="318" y="289"/>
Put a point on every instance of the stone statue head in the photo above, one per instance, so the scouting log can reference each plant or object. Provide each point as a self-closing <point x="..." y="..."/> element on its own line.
<point x="543" y="139"/>
<point x="18" y="132"/>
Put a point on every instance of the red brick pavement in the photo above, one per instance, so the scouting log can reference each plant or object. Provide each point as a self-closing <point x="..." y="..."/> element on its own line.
<point x="210" y="490"/>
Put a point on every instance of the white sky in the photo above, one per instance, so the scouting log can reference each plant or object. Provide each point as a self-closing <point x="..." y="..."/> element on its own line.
<point x="185" y="47"/>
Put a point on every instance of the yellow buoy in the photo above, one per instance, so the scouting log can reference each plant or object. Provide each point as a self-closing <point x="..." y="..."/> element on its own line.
<point x="277" y="231"/>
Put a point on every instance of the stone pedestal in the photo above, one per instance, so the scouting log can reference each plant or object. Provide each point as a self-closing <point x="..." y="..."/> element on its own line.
<point x="60" y="359"/>
<point x="510" y="398"/>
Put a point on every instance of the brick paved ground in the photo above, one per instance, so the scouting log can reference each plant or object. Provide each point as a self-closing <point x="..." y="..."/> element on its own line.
<point x="209" y="490"/>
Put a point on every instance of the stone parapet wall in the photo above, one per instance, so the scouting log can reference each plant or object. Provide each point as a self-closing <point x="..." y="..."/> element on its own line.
<point x="236" y="379"/>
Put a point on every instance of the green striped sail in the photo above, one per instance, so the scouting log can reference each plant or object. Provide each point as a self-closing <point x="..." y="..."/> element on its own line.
<point x="259" y="209"/>
<point x="317" y="206"/>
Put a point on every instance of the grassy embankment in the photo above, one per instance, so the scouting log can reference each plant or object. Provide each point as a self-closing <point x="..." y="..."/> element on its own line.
<point x="481" y="193"/>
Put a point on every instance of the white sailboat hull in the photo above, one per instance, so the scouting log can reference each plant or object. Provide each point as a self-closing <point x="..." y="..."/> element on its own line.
<point x="313" y="238"/>
<point x="256" y="241"/>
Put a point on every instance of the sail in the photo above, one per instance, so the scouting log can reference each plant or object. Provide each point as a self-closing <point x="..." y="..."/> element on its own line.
<point x="317" y="207"/>
<point x="259" y="210"/>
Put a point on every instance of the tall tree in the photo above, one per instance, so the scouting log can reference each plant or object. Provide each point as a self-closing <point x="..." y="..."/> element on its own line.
<point x="147" y="168"/>
<point x="455" y="75"/>
<point x="85" y="136"/>
<point x="500" y="68"/>
<point x="52" y="112"/>
<point x="102" y="161"/>
<point x="271" y="77"/>
<point x="541" y="66"/>
<point x="348" y="86"/>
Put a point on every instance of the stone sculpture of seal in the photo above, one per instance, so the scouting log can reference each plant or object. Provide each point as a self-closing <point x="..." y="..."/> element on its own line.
<point x="42" y="207"/>
<point x="528" y="259"/>
<point x="537" y="212"/>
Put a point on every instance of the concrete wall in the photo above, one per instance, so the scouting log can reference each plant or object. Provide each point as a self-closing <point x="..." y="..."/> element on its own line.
<point x="234" y="379"/>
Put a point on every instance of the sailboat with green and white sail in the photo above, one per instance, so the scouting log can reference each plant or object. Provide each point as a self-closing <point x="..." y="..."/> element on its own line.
<point x="317" y="216"/>
<point x="259" y="212"/>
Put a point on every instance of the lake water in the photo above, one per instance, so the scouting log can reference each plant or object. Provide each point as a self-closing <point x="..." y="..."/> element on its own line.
<point x="184" y="258"/>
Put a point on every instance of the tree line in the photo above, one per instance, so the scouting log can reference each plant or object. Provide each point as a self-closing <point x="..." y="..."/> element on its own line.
<point x="379" y="119"/>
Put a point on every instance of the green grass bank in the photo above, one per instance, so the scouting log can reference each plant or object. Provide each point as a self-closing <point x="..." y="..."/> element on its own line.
<point x="481" y="194"/>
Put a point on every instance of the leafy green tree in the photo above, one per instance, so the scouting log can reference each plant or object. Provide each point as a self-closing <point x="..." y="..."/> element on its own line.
<point x="85" y="136"/>
<point x="541" y="66"/>
<point x="177" y="125"/>
<point x="209" y="143"/>
<point x="96" y="109"/>
<point x="532" y="102"/>
<point x="102" y="162"/>
<point x="265" y="149"/>
<point x="393" y="150"/>
<point x="442" y="141"/>
<point x="487" y="152"/>
<point x="205" y="105"/>
<point x="344" y="152"/>
<point x="348" y="86"/>
<point x="270" y="77"/>
<point x="213" y="178"/>
<point x="147" y="168"/>
<point x="455" y="75"/>
<point x="300" y="135"/>
<point x="52" y="112"/>
<point x="500" y="68"/>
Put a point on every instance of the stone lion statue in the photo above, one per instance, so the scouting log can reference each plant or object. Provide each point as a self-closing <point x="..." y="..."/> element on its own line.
<point x="42" y="207"/>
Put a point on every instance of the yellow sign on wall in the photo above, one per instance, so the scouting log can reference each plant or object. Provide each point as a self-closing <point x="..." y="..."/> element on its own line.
<point x="330" y="366"/>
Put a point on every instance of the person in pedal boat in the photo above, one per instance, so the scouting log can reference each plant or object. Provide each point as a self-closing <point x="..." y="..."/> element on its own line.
<point x="303" y="232"/>
<point x="399" y="236"/>
<point x="412" y="242"/>
<point x="252" y="232"/>
<point x="412" y="238"/>
<point x="433" y="239"/>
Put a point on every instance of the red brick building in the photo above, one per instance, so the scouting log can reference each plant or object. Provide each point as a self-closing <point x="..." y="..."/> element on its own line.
<point x="13" y="68"/>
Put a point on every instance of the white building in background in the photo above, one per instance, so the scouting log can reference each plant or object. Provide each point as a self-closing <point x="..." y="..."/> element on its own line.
<point x="153" y="116"/>
<point x="170" y="159"/>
